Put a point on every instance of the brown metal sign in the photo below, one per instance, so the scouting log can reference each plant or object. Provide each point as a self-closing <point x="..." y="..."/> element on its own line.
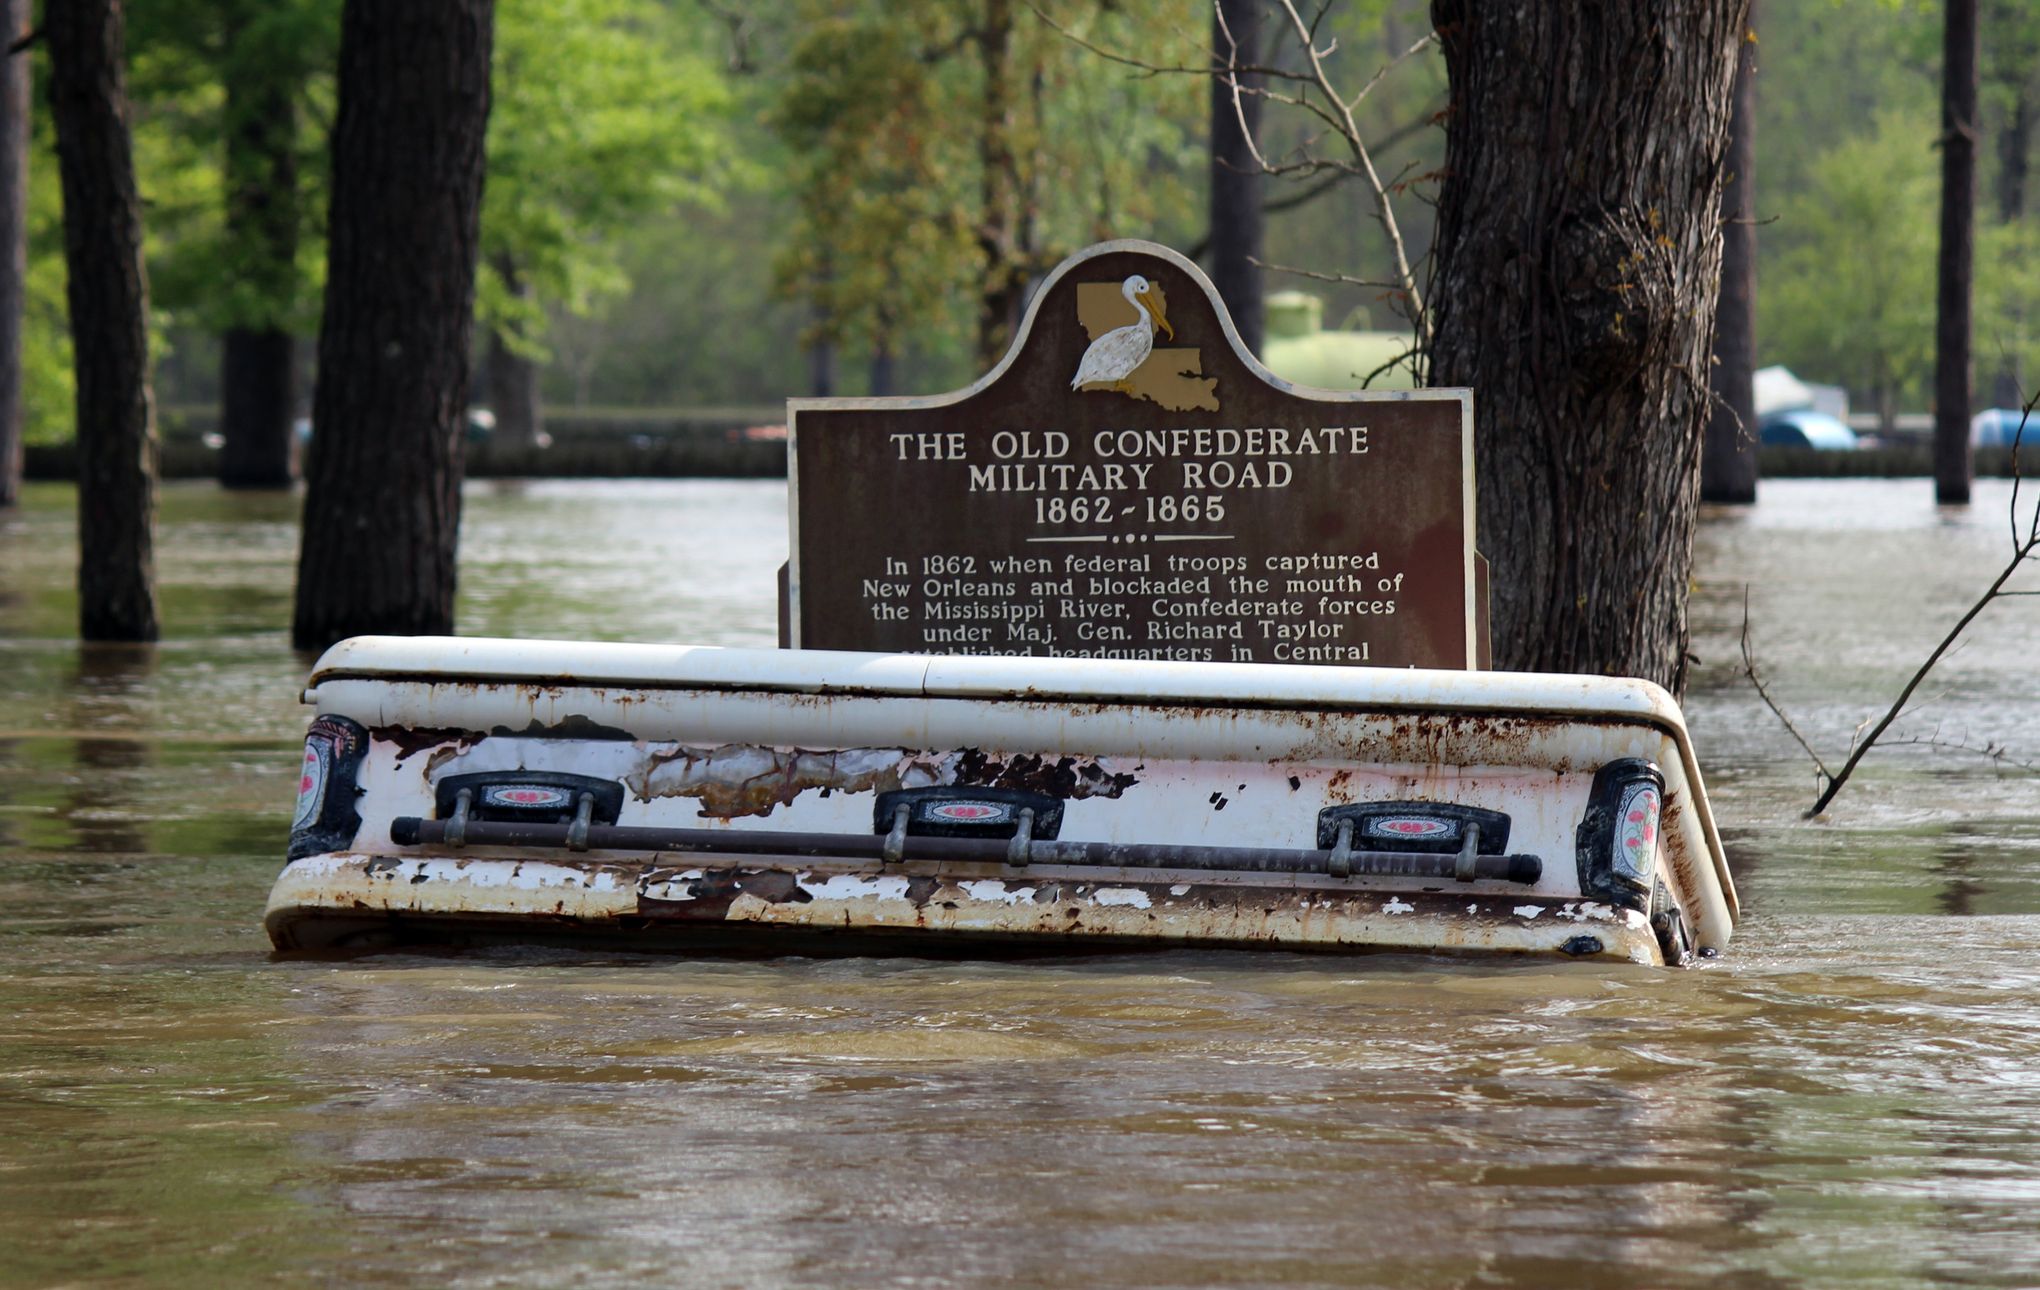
<point x="1130" y="483"/>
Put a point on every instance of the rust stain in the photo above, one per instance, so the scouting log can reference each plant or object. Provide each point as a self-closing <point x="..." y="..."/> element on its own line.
<point x="732" y="781"/>
<point x="409" y="740"/>
<point x="736" y="780"/>
<point x="571" y="726"/>
<point x="1676" y="853"/>
<point x="1065" y="777"/>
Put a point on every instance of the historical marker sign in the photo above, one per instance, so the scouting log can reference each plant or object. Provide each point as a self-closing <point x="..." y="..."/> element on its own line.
<point x="1128" y="483"/>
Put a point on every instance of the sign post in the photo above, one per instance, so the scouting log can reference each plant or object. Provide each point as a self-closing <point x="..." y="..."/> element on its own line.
<point x="1130" y="483"/>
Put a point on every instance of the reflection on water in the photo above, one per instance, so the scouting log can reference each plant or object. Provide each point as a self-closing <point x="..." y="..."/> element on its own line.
<point x="1851" y="1095"/>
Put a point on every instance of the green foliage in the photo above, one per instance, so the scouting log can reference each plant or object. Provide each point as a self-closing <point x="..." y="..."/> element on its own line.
<point x="1826" y="70"/>
<point x="883" y="235"/>
<point x="277" y="56"/>
<point x="606" y="114"/>
<point x="942" y="151"/>
<point x="672" y="210"/>
<point x="2007" y="331"/>
<point x="1849" y="110"/>
<point x="48" y="393"/>
<point x="1847" y="291"/>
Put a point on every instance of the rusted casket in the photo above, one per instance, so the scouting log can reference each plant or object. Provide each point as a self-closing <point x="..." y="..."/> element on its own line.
<point x="803" y="801"/>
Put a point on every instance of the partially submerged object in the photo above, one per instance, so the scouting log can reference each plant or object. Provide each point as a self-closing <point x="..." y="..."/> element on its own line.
<point x="1079" y="538"/>
<point x="794" y="801"/>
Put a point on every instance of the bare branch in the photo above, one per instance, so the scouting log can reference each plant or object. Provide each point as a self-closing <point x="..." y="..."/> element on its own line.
<point x="1749" y="659"/>
<point x="740" y="25"/>
<point x="1869" y="741"/>
<point x="1384" y="211"/>
<point x="1860" y="743"/>
<point x="1303" y="196"/>
<point x="1997" y="753"/>
<point x="1408" y="353"/>
<point x="1341" y="278"/>
<point x="1147" y="69"/>
<point x="2012" y="516"/>
<point x="1335" y="111"/>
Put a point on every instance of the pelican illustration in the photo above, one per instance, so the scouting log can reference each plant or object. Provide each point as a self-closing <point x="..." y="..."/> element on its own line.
<point x="1112" y="358"/>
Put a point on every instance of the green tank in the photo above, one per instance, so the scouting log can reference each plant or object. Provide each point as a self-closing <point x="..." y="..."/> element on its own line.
<point x="1299" y="349"/>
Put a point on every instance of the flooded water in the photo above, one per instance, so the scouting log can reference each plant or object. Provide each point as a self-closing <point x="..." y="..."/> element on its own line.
<point x="1851" y="1095"/>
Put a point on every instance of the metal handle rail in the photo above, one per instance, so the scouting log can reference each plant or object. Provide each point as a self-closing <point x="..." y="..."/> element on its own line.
<point x="1019" y="851"/>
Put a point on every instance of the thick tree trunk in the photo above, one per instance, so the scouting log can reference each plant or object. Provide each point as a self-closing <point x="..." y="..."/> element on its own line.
<point x="1236" y="216"/>
<point x="108" y="292"/>
<point x="258" y="360"/>
<point x="1953" y="464"/>
<point x="1578" y="247"/>
<point x="14" y="107"/>
<point x="382" y="505"/>
<point x="1728" y="463"/>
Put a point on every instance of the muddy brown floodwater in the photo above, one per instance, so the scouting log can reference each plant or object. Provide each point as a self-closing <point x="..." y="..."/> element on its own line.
<point x="1850" y="1096"/>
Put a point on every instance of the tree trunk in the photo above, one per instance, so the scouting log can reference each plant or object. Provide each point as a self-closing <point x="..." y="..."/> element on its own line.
<point x="258" y="393"/>
<point x="1578" y="247"/>
<point x="382" y="504"/>
<point x="2014" y="151"/>
<point x="1728" y="463"/>
<point x="513" y="395"/>
<point x="513" y="378"/>
<point x="2015" y="147"/>
<point x="821" y="369"/>
<point x="14" y="134"/>
<point x="258" y="359"/>
<point x="883" y="369"/>
<point x="1005" y="276"/>
<point x="108" y="292"/>
<point x="1953" y="464"/>
<point x="821" y="350"/>
<point x="1236" y="217"/>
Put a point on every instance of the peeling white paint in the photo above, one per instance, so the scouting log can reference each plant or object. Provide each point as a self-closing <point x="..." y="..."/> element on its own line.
<point x="525" y="877"/>
<point x="1528" y="911"/>
<point x="1121" y="896"/>
<point x="1593" y="910"/>
<point x="1473" y="909"/>
<point x="1180" y="889"/>
<point x="1394" y="906"/>
<point x="994" y="891"/>
<point x="850" y="886"/>
<point x="674" y="888"/>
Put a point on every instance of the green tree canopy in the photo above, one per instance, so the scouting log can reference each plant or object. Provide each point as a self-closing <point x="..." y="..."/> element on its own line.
<point x="1848" y="294"/>
<point x="945" y="154"/>
<point x="607" y="113"/>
